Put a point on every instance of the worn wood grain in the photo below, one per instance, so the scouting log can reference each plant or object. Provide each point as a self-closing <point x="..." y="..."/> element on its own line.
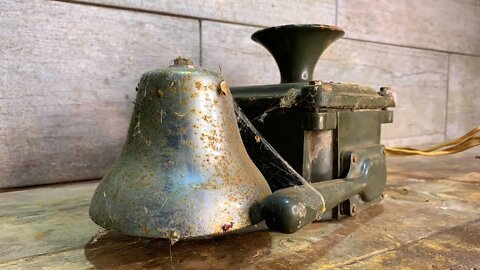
<point x="45" y="220"/>
<point x="68" y="75"/>
<point x="463" y="167"/>
<point x="463" y="95"/>
<point x="261" y="13"/>
<point x="422" y="221"/>
<point x="446" y="25"/>
<point x="419" y="77"/>
<point x="456" y="248"/>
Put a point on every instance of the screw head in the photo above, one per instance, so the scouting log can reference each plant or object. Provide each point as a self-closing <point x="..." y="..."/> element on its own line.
<point x="386" y="91"/>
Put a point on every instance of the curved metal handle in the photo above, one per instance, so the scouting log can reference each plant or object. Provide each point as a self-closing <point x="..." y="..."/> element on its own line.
<point x="290" y="209"/>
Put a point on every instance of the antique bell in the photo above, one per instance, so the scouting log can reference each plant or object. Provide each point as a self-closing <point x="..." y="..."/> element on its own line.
<point x="183" y="171"/>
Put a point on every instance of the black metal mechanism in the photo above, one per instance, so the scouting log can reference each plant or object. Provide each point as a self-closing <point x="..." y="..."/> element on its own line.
<point x="329" y="133"/>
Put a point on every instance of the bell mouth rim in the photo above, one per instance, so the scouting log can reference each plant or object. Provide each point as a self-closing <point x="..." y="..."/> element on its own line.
<point x="312" y="27"/>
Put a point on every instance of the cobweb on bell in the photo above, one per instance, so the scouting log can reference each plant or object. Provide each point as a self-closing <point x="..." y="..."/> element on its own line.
<point x="276" y="170"/>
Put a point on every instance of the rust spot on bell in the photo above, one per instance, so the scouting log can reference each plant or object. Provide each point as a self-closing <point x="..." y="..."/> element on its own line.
<point x="224" y="89"/>
<point x="227" y="226"/>
<point x="198" y="85"/>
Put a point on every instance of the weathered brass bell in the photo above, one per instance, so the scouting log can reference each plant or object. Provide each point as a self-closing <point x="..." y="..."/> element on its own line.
<point x="183" y="171"/>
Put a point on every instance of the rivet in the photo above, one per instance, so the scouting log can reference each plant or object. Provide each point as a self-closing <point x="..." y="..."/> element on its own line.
<point x="385" y="88"/>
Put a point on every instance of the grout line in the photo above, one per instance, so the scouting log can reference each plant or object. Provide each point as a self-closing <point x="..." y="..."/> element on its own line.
<point x="80" y="2"/>
<point x="49" y="185"/>
<point x="410" y="47"/>
<point x="200" y="42"/>
<point x="336" y="12"/>
<point x="447" y="95"/>
<point x="86" y="3"/>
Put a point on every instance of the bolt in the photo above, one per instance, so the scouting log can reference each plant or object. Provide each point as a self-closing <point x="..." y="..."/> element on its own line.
<point x="180" y="61"/>
<point x="385" y="88"/>
<point x="354" y="208"/>
<point x="386" y="91"/>
<point x="344" y="208"/>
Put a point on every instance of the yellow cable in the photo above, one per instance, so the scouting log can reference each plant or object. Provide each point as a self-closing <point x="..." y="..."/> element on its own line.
<point x="463" y="143"/>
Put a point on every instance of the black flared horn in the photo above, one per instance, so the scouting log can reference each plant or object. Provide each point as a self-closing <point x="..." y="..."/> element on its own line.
<point x="296" y="48"/>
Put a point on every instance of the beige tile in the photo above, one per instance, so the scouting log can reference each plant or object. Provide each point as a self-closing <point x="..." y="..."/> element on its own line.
<point x="69" y="74"/>
<point x="419" y="78"/>
<point x="264" y="13"/>
<point x="242" y="61"/>
<point x="446" y="25"/>
<point x="463" y="113"/>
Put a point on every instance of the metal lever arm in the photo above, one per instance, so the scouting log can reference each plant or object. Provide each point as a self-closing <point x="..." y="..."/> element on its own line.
<point x="290" y="209"/>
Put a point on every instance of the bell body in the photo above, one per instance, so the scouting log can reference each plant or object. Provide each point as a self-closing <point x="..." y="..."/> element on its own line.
<point x="183" y="171"/>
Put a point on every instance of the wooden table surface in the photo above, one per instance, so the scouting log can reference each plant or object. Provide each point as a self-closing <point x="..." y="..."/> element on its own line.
<point x="429" y="219"/>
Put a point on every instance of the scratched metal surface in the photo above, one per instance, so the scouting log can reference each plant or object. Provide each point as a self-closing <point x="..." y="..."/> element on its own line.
<point x="429" y="219"/>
